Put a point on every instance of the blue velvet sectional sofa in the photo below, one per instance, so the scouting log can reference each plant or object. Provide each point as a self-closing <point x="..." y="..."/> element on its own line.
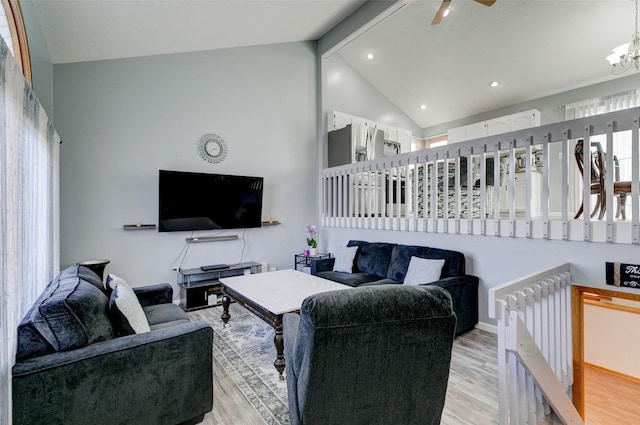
<point x="382" y="263"/>
<point x="74" y="366"/>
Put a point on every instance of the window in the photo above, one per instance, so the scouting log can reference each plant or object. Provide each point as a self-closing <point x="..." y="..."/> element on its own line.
<point x="435" y="141"/>
<point x="13" y="31"/>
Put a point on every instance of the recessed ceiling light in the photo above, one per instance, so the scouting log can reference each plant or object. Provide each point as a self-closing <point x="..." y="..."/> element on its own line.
<point x="494" y="84"/>
<point x="370" y="56"/>
<point x="423" y="107"/>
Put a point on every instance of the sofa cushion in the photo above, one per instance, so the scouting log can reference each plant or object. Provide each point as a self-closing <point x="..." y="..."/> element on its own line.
<point x="373" y="258"/>
<point x="401" y="256"/>
<point x="351" y="279"/>
<point x="71" y="312"/>
<point x="385" y="281"/>
<point x="164" y="313"/>
<point x="126" y="312"/>
<point x="83" y="273"/>
<point x="423" y="270"/>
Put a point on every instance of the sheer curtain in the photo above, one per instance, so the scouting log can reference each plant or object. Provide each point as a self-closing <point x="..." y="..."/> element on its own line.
<point x="602" y="105"/>
<point x="29" y="214"/>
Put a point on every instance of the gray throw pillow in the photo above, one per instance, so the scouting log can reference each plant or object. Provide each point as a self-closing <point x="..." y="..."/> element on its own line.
<point x="423" y="270"/>
<point x="344" y="259"/>
<point x="126" y="311"/>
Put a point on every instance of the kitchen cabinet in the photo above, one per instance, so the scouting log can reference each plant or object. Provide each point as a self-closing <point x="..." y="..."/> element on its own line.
<point x="506" y="124"/>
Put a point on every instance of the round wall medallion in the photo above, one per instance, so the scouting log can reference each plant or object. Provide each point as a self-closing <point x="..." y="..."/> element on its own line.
<point x="212" y="148"/>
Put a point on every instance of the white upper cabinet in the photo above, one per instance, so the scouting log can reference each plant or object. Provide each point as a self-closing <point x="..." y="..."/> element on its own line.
<point x="405" y="139"/>
<point x="514" y="122"/>
<point x="477" y="130"/>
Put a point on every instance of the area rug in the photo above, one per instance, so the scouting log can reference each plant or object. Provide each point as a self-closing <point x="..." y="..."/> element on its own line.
<point x="244" y="347"/>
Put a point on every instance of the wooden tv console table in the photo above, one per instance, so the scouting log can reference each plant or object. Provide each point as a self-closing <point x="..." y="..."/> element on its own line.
<point x="201" y="288"/>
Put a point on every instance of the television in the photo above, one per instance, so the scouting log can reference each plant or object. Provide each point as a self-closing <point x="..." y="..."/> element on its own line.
<point x="201" y="201"/>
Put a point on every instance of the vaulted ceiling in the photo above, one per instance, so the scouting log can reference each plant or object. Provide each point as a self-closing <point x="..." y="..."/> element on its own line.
<point x="87" y="30"/>
<point x="533" y="48"/>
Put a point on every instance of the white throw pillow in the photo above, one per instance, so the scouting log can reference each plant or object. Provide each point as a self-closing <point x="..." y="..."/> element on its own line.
<point x="344" y="259"/>
<point x="423" y="270"/>
<point x="129" y="306"/>
<point x="113" y="280"/>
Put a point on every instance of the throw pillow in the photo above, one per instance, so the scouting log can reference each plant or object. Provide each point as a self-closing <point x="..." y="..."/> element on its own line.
<point x="113" y="280"/>
<point x="126" y="311"/>
<point x="423" y="270"/>
<point x="344" y="259"/>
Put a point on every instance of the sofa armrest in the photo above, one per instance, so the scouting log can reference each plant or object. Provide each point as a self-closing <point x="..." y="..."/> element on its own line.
<point x="160" y="293"/>
<point x="323" y="265"/>
<point x="290" y="325"/>
<point x="464" y="295"/>
<point x="160" y="377"/>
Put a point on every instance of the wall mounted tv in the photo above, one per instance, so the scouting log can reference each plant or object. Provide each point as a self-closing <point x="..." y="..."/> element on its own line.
<point x="199" y="201"/>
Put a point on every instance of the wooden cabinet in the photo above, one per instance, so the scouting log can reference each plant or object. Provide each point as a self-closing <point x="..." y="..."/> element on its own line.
<point x="405" y="139"/>
<point x="201" y="288"/>
<point x="506" y="124"/>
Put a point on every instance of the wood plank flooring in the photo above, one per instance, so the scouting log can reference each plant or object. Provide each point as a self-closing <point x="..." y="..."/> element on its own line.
<point x="472" y="394"/>
<point x="609" y="398"/>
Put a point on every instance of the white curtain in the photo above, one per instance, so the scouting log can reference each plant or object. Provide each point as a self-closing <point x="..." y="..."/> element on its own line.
<point x="602" y="105"/>
<point x="29" y="210"/>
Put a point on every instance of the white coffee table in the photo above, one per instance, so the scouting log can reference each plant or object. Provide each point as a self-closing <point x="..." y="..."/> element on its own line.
<point x="270" y="295"/>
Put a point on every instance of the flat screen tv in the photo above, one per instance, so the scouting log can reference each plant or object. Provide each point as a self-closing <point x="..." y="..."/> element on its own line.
<point x="200" y="201"/>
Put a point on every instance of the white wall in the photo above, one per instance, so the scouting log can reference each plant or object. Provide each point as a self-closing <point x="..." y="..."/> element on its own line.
<point x="41" y="67"/>
<point x="607" y="339"/>
<point x="123" y="120"/>
<point x="552" y="108"/>
<point x="347" y="91"/>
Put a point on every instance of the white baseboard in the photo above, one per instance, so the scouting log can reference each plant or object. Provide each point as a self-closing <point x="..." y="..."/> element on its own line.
<point x="487" y="327"/>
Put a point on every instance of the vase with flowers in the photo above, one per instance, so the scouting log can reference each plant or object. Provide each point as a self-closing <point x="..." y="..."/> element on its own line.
<point x="312" y="239"/>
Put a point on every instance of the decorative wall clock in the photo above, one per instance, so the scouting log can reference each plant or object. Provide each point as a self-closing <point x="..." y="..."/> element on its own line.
<point x="212" y="148"/>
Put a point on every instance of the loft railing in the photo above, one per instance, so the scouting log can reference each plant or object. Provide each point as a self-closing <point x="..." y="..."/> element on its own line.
<point x="519" y="184"/>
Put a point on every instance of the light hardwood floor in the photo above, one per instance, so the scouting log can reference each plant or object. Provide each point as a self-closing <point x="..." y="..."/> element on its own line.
<point x="472" y="395"/>
<point x="610" y="399"/>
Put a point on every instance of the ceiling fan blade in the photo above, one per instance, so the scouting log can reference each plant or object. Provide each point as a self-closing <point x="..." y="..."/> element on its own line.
<point x="486" y="2"/>
<point x="440" y="13"/>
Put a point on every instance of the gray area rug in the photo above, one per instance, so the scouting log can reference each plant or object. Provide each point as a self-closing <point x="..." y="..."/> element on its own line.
<point x="244" y="347"/>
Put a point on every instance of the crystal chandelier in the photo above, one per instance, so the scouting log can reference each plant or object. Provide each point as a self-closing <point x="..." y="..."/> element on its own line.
<point x="627" y="54"/>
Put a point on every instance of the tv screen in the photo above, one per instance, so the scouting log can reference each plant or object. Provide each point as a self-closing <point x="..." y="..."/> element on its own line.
<point x="200" y="201"/>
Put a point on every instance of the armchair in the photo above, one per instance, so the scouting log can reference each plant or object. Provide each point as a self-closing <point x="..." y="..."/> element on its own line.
<point x="371" y="355"/>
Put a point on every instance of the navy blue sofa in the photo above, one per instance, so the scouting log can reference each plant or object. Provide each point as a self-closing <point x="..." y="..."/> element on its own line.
<point x="379" y="263"/>
<point x="73" y="368"/>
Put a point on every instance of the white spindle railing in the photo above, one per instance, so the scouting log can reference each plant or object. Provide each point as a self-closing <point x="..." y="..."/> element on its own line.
<point x="477" y="188"/>
<point x="535" y="360"/>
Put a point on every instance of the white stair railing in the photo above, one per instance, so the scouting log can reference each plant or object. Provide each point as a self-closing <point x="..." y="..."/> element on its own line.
<point x="534" y="348"/>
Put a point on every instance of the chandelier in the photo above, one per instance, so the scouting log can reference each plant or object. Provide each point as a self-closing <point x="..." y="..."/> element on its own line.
<point x="627" y="54"/>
